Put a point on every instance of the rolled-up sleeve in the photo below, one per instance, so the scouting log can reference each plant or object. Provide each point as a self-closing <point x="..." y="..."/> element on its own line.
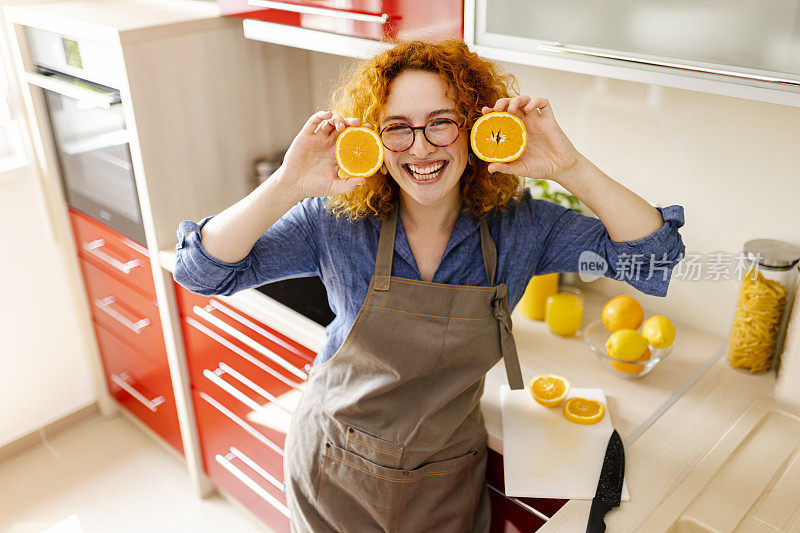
<point x="578" y="243"/>
<point x="288" y="249"/>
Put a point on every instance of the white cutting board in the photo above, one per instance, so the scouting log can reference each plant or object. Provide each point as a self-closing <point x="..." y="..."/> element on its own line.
<point x="547" y="456"/>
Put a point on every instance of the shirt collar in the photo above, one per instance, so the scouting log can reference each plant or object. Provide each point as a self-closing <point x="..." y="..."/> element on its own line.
<point x="466" y="225"/>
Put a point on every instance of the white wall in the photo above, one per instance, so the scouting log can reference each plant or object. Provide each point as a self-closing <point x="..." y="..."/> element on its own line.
<point x="45" y="368"/>
<point x="732" y="164"/>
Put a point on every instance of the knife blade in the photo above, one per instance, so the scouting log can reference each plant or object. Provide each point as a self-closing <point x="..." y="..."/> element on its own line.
<point x="609" y="487"/>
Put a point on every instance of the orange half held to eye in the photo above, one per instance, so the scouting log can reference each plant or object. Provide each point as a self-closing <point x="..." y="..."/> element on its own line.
<point x="359" y="152"/>
<point x="498" y="137"/>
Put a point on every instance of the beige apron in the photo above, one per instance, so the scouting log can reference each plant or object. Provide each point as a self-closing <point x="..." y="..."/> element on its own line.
<point x="388" y="435"/>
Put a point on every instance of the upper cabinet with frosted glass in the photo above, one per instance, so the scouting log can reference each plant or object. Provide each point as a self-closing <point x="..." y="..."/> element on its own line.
<point x="742" y="48"/>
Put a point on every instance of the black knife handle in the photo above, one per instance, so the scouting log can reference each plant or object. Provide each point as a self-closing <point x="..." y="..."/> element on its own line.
<point x="597" y="516"/>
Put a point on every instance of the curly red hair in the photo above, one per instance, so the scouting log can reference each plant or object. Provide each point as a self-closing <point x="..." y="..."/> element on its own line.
<point x="473" y="82"/>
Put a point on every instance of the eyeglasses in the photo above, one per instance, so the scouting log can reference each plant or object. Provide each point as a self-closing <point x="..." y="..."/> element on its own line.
<point x="439" y="132"/>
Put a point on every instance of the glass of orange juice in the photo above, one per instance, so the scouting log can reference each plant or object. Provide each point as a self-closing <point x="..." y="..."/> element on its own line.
<point x="564" y="311"/>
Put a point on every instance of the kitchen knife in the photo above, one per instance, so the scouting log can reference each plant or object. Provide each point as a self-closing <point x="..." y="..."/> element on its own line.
<point x="609" y="488"/>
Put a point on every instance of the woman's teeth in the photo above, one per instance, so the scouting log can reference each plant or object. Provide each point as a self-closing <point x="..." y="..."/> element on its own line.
<point x="426" y="172"/>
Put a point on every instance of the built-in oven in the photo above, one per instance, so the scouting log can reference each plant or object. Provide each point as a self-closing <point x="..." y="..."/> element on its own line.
<point x="88" y="131"/>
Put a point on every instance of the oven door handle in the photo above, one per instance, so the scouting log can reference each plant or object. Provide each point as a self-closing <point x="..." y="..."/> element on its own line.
<point x="86" y="97"/>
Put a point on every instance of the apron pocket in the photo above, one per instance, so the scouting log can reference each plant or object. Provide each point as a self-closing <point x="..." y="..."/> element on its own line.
<point x="443" y="491"/>
<point x="374" y="449"/>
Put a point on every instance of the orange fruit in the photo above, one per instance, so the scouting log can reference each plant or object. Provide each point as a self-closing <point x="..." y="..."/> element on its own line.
<point x="630" y="368"/>
<point x="359" y="151"/>
<point x="549" y="389"/>
<point x="622" y="312"/>
<point x="583" y="410"/>
<point x="498" y="137"/>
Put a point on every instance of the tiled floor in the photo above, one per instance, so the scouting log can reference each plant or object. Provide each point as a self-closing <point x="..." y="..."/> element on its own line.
<point x="107" y="476"/>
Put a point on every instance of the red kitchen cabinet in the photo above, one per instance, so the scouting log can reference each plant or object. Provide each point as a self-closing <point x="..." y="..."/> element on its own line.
<point x="246" y="378"/>
<point x="241" y="459"/>
<point x="139" y="385"/>
<point x="508" y="515"/>
<point x="134" y="318"/>
<point x="113" y="253"/>
<point x="385" y="20"/>
<point x="121" y="293"/>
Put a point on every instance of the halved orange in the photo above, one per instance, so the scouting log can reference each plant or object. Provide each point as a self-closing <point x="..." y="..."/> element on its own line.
<point x="359" y="151"/>
<point x="549" y="389"/>
<point x="583" y="410"/>
<point x="498" y="137"/>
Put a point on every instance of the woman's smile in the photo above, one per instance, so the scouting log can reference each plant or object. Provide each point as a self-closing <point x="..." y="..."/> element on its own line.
<point x="426" y="173"/>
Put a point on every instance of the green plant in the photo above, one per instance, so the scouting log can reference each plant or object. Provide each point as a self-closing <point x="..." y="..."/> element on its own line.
<point x="541" y="189"/>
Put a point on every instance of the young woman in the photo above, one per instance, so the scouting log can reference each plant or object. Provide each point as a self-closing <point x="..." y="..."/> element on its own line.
<point x="422" y="272"/>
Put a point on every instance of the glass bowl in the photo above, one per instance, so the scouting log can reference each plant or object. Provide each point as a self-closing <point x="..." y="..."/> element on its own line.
<point x="596" y="336"/>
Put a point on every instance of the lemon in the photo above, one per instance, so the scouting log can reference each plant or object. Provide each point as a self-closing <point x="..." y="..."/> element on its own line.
<point x="626" y="344"/>
<point x="622" y="312"/>
<point x="583" y="411"/>
<point x="659" y="331"/>
<point x="631" y="368"/>
<point x="549" y="389"/>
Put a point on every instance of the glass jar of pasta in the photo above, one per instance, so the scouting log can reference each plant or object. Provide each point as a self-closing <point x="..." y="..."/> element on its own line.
<point x="767" y="280"/>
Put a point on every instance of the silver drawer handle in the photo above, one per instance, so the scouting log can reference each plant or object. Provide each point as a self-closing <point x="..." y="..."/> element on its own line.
<point x="252" y="485"/>
<point x="122" y="381"/>
<point x="104" y="304"/>
<point x="241" y="353"/>
<point x="310" y="10"/>
<point x="561" y="49"/>
<point x="230" y="330"/>
<point x="258" y="329"/>
<point x="275" y="482"/>
<point x="241" y="423"/>
<point x="519" y="502"/>
<point x="94" y="249"/>
<point x="225" y="369"/>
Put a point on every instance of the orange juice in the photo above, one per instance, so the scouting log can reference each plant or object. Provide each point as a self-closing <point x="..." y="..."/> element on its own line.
<point x="534" y="299"/>
<point x="564" y="311"/>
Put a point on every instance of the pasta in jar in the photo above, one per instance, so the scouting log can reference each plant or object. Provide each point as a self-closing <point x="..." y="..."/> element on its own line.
<point x="756" y="323"/>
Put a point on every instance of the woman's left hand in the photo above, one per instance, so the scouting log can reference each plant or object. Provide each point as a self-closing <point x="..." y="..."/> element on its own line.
<point x="548" y="152"/>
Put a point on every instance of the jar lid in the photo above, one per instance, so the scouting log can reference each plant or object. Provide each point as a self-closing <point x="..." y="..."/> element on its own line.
<point x="772" y="253"/>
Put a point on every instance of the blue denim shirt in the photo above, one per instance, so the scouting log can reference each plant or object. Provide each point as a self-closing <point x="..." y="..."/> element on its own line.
<point x="534" y="237"/>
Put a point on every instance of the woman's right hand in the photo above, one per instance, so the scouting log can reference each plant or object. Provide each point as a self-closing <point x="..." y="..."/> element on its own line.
<point x="309" y="167"/>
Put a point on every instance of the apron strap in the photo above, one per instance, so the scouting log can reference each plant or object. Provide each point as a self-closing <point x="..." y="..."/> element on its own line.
<point x="383" y="260"/>
<point x="508" y="347"/>
<point x="489" y="252"/>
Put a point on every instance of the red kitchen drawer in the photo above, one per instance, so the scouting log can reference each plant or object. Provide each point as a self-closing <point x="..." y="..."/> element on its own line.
<point x="387" y="20"/>
<point x="142" y="387"/>
<point x="290" y="356"/>
<point x="126" y="312"/>
<point x="240" y="463"/>
<point x="116" y="254"/>
<point x="507" y="515"/>
<point x="218" y="360"/>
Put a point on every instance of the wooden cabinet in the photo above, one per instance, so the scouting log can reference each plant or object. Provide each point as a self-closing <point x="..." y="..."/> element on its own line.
<point x="515" y="515"/>
<point x="245" y="379"/>
<point x="119" y="286"/>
